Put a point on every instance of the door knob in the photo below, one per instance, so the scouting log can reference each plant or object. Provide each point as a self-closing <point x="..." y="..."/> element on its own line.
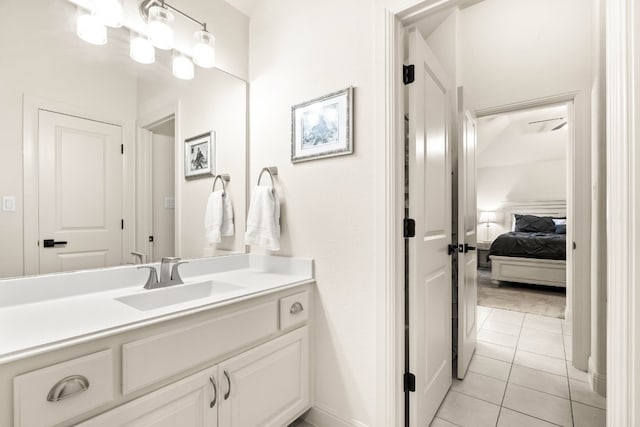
<point x="50" y="243"/>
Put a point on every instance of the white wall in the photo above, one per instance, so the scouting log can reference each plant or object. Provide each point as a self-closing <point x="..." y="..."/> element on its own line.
<point x="519" y="183"/>
<point x="299" y="51"/>
<point x="213" y="101"/>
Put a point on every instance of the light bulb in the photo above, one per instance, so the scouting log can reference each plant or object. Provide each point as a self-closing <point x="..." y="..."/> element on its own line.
<point x="111" y="12"/>
<point x="183" y="67"/>
<point x="90" y="28"/>
<point x="160" y="31"/>
<point x="141" y="49"/>
<point x="204" y="53"/>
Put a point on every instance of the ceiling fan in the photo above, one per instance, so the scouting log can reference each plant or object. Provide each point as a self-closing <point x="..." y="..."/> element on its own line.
<point x="560" y="126"/>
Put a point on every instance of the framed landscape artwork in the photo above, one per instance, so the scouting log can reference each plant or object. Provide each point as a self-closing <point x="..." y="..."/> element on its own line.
<point x="322" y="127"/>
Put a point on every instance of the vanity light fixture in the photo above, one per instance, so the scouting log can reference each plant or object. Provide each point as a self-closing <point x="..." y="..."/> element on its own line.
<point x="160" y="31"/>
<point x="204" y="51"/>
<point x="182" y="67"/>
<point x="90" y="27"/>
<point x="111" y="12"/>
<point x="141" y="49"/>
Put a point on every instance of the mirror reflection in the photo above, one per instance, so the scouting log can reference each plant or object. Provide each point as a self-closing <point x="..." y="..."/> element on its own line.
<point x="92" y="165"/>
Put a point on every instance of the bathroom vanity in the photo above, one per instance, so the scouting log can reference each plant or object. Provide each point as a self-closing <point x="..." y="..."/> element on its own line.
<point x="229" y="347"/>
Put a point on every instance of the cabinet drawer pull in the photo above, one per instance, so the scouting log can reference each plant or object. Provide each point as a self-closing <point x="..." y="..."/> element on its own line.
<point x="226" y="395"/>
<point x="67" y="387"/>
<point x="296" y="308"/>
<point x="215" y="392"/>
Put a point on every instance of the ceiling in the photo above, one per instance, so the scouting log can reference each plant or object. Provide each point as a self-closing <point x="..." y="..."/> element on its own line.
<point x="244" y="6"/>
<point x="513" y="139"/>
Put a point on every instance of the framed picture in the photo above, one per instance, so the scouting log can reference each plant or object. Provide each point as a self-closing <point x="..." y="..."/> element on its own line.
<point x="322" y="127"/>
<point x="199" y="156"/>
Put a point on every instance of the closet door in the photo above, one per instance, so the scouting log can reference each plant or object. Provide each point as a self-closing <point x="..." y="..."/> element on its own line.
<point x="467" y="236"/>
<point x="267" y="386"/>
<point x="430" y="206"/>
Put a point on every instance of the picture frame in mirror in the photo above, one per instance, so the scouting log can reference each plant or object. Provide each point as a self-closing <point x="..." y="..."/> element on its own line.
<point x="322" y="127"/>
<point x="200" y="156"/>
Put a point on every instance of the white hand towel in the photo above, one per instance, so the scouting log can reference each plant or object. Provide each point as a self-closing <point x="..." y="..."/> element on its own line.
<point x="227" y="228"/>
<point x="213" y="217"/>
<point x="263" y="220"/>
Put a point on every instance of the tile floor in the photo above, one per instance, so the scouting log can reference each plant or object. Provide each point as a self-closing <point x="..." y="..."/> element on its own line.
<point x="521" y="375"/>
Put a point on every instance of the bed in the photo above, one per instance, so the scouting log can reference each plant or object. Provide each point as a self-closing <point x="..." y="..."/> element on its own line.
<point x="533" y="249"/>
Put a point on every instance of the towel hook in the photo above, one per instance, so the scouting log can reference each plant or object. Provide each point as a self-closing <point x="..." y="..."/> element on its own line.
<point x="223" y="178"/>
<point x="271" y="170"/>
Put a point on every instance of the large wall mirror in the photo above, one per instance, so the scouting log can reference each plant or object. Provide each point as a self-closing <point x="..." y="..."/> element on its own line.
<point x="93" y="149"/>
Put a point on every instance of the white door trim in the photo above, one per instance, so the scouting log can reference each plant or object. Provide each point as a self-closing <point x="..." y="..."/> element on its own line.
<point x="151" y="118"/>
<point x="623" y="212"/>
<point x="31" y="106"/>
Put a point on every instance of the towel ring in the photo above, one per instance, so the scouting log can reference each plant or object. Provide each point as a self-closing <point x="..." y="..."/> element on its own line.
<point x="271" y="170"/>
<point x="223" y="178"/>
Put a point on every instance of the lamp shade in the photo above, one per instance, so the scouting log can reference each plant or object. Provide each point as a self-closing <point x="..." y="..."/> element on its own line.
<point x="90" y="28"/>
<point x="487" y="217"/>
<point x="204" y="53"/>
<point x="141" y="49"/>
<point x="182" y="67"/>
<point x="111" y="12"/>
<point x="160" y="31"/>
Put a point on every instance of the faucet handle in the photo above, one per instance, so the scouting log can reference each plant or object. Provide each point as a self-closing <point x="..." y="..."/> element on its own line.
<point x="175" y="274"/>
<point x="152" y="280"/>
<point x="170" y="259"/>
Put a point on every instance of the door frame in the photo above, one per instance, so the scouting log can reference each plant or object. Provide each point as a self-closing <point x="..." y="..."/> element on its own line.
<point x="578" y="303"/>
<point x="390" y="18"/>
<point x="30" y="111"/>
<point x="155" y="117"/>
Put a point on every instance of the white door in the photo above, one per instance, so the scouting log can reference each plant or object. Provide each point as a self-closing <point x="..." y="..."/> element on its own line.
<point x="79" y="193"/>
<point x="267" y="386"/>
<point x="191" y="402"/>
<point x="430" y="207"/>
<point x="467" y="238"/>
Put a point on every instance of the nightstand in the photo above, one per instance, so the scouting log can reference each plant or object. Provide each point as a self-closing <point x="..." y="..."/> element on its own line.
<point x="483" y="255"/>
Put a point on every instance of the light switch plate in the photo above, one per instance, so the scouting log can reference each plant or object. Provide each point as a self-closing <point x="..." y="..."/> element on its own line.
<point x="8" y="203"/>
<point x="169" y="203"/>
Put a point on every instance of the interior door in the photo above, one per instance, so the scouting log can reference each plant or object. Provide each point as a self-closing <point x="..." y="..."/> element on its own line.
<point x="429" y="271"/>
<point x="144" y="193"/>
<point x="467" y="237"/>
<point x="79" y="193"/>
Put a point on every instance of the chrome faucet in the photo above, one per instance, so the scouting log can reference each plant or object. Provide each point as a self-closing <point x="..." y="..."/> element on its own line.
<point x="169" y="274"/>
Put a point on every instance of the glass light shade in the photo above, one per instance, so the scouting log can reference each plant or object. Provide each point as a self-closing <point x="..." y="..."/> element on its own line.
<point x="183" y="67"/>
<point x="111" y="12"/>
<point x="204" y="51"/>
<point x="90" y="28"/>
<point x="487" y="217"/>
<point x="160" y="31"/>
<point x="141" y="50"/>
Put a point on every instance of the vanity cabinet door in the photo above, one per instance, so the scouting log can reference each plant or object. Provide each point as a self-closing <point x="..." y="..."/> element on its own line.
<point x="268" y="385"/>
<point x="191" y="402"/>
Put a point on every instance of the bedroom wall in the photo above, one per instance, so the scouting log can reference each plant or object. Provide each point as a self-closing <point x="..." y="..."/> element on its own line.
<point x="300" y="51"/>
<point x="519" y="183"/>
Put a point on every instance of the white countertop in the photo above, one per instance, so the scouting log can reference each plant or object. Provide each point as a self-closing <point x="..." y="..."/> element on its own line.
<point x="44" y="324"/>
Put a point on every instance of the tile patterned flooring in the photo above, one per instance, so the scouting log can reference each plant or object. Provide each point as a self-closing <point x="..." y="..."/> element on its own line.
<point x="521" y="375"/>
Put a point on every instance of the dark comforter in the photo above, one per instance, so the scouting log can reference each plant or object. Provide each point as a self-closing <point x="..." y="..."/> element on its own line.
<point x="530" y="245"/>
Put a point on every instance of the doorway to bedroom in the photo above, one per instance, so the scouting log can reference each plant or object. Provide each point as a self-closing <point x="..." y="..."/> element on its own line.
<point x="522" y="193"/>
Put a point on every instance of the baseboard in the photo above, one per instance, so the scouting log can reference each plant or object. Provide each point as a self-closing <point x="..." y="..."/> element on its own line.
<point x="597" y="381"/>
<point x="321" y="416"/>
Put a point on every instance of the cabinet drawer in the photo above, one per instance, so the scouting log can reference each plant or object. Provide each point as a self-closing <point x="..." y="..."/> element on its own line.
<point x="294" y="310"/>
<point x="50" y="395"/>
<point x="152" y="359"/>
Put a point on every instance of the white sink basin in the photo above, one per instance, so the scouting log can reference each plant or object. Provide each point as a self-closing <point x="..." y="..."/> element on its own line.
<point x="177" y="294"/>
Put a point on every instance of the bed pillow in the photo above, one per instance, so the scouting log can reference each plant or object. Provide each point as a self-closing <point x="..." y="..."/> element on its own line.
<point x="534" y="224"/>
<point x="561" y="228"/>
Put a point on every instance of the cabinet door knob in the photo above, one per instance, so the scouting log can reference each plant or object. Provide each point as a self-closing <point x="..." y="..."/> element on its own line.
<point x="296" y="308"/>
<point x="215" y="392"/>
<point x="67" y="387"/>
<point x="226" y="395"/>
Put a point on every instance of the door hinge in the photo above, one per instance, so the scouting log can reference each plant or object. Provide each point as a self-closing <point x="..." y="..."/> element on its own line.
<point x="121" y="148"/>
<point x="151" y="239"/>
<point x="408" y="74"/>
<point x="452" y="249"/>
<point x="409" y="382"/>
<point x="122" y="224"/>
<point x="408" y="228"/>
